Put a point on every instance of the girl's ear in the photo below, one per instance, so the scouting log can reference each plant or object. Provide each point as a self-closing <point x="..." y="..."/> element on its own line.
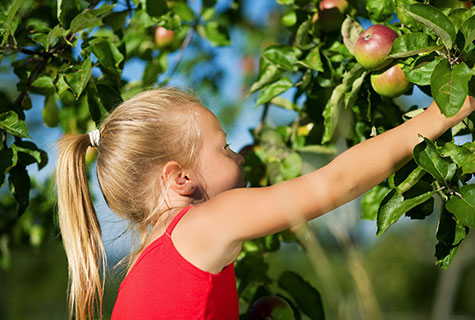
<point x="182" y="183"/>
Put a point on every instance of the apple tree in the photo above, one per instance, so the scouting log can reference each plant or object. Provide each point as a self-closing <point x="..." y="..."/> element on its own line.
<point x="342" y="81"/>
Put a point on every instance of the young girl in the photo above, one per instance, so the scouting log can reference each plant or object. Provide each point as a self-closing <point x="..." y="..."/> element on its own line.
<point x="164" y="165"/>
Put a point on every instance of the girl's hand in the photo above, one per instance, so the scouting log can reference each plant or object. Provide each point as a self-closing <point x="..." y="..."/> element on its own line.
<point x="467" y="108"/>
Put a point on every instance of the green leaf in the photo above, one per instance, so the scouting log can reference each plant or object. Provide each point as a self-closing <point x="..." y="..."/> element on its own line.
<point x="435" y="20"/>
<point x="8" y="159"/>
<point x="449" y="86"/>
<point x="410" y="180"/>
<point x="78" y="80"/>
<point x="291" y="166"/>
<point x="96" y="109"/>
<point x="216" y="34"/>
<point x="411" y="44"/>
<point x="251" y="268"/>
<point x="289" y="18"/>
<point x="29" y="153"/>
<point x="307" y="298"/>
<point x="461" y="155"/>
<point x="183" y="11"/>
<point x="351" y="31"/>
<point x="449" y="231"/>
<point x="53" y="36"/>
<point x="89" y="18"/>
<point x="50" y="112"/>
<point x="394" y="205"/>
<point x="428" y="157"/>
<point x="380" y="10"/>
<point x="116" y="19"/>
<point x="303" y="37"/>
<point x="66" y="11"/>
<point x="285" y="104"/>
<point x="273" y="90"/>
<point x="43" y="85"/>
<point x="459" y="16"/>
<point x="12" y="11"/>
<point x="421" y="74"/>
<point x="450" y="234"/>
<point x="335" y="104"/>
<point x="10" y="123"/>
<point x="468" y="30"/>
<point x="284" y="56"/>
<point x="268" y="73"/>
<point x="351" y="97"/>
<point x="153" y="69"/>
<point x="19" y="183"/>
<point x="107" y="53"/>
<point x="156" y="8"/>
<point x="462" y="205"/>
<point x="109" y="96"/>
<point x="371" y="201"/>
<point x="313" y="60"/>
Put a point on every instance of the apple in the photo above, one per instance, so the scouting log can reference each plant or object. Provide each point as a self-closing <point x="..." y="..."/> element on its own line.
<point x="331" y="14"/>
<point x="390" y="82"/>
<point x="373" y="46"/>
<point x="270" y="308"/>
<point x="163" y="37"/>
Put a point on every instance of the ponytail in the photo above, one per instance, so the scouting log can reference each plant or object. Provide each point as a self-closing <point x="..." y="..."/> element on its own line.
<point x="80" y="229"/>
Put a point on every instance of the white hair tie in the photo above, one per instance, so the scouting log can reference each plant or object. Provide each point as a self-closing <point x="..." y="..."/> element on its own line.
<point x="94" y="137"/>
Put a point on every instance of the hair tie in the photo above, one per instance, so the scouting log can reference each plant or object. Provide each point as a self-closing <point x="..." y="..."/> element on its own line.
<point x="94" y="137"/>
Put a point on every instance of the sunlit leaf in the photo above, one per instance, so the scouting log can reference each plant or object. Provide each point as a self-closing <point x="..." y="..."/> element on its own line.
<point x="89" y="18"/>
<point x="411" y="44"/>
<point x="468" y="30"/>
<point x="394" y="205"/>
<point x="421" y="74"/>
<point x="273" y="90"/>
<point x="449" y="86"/>
<point x="351" y="31"/>
<point x="461" y="155"/>
<point x="435" y="20"/>
<point x="462" y="205"/>
<point x="371" y="201"/>
<point x="283" y="56"/>
<point x="428" y="157"/>
<point x="78" y="80"/>
<point x="10" y="123"/>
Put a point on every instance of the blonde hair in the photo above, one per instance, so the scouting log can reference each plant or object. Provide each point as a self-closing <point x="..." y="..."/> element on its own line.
<point x="136" y="140"/>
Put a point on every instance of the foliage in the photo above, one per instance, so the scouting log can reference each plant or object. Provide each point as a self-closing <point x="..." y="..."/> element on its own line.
<point x="73" y="53"/>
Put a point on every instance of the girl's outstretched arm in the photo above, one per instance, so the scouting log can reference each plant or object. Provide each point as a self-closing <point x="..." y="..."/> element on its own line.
<point x="249" y="213"/>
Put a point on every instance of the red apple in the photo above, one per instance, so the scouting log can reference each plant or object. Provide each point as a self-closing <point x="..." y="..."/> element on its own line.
<point x="163" y="37"/>
<point x="331" y="14"/>
<point x="390" y="82"/>
<point x="270" y="308"/>
<point x="373" y="46"/>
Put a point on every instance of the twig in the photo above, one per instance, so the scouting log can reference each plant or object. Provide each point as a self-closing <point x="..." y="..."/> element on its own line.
<point x="263" y="118"/>
<point x="185" y="45"/>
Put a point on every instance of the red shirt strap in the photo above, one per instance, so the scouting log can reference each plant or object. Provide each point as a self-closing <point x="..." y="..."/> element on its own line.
<point x="176" y="219"/>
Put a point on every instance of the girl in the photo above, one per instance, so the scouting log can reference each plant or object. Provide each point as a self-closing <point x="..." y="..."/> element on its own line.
<point x="164" y="165"/>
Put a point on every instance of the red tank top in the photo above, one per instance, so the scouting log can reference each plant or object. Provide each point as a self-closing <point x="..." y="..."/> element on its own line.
<point x="164" y="285"/>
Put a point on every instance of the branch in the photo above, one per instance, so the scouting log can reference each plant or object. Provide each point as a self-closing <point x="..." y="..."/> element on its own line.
<point x="185" y="45"/>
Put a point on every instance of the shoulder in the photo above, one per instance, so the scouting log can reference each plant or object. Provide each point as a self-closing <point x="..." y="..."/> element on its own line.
<point x="196" y="238"/>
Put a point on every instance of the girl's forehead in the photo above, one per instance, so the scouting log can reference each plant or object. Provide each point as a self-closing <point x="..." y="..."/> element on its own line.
<point x="208" y="120"/>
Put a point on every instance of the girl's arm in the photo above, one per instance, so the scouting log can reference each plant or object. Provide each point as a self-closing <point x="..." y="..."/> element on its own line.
<point x="250" y="213"/>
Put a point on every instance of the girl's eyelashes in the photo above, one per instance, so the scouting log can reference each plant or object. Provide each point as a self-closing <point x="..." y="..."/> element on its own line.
<point x="227" y="145"/>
